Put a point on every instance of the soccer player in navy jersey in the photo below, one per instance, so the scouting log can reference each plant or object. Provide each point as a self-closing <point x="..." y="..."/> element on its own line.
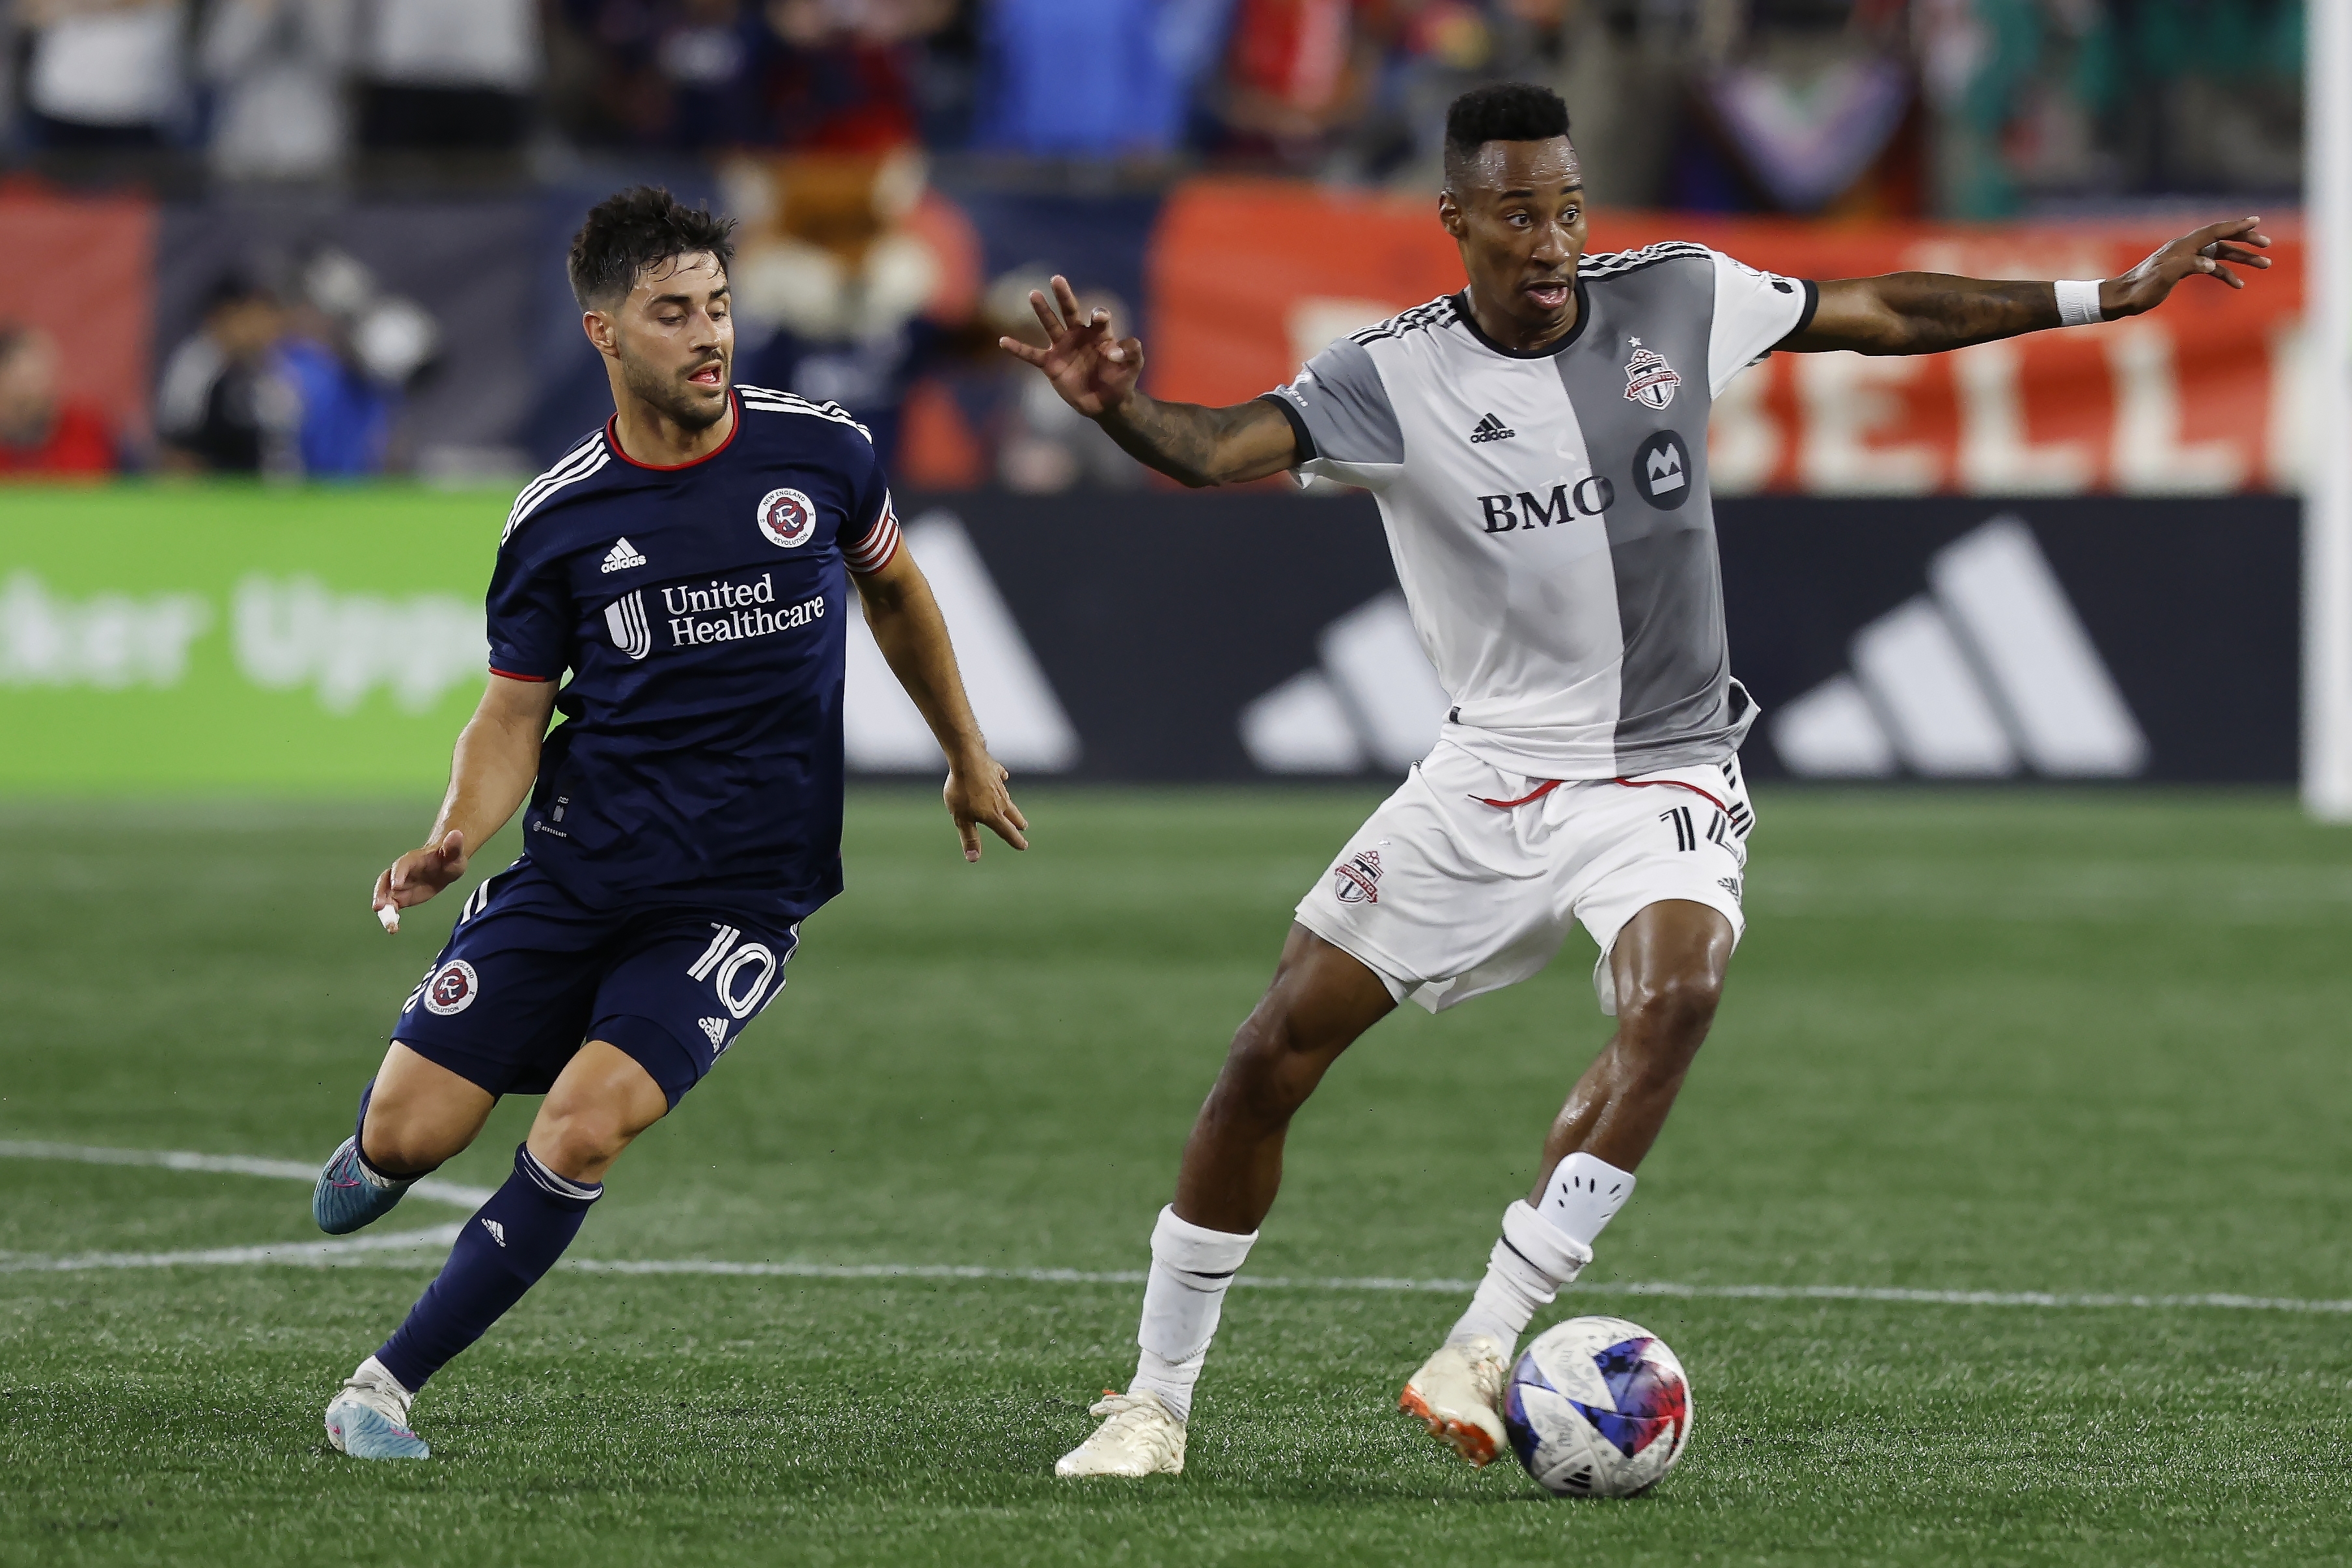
<point x="689" y="566"/>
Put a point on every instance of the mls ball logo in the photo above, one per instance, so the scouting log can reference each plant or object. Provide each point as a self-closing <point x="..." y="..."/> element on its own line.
<point x="1649" y="380"/>
<point x="787" y="518"/>
<point x="452" y="990"/>
<point x="1357" y="879"/>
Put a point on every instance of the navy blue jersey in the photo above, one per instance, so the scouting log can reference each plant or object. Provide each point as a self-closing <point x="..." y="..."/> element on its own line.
<point x="700" y="610"/>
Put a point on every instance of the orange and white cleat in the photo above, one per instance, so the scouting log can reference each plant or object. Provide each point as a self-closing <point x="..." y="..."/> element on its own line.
<point x="1455" y="1394"/>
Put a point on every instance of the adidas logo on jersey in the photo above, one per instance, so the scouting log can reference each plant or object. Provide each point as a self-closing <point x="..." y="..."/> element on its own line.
<point x="1490" y="429"/>
<point x="623" y="556"/>
<point x="716" y="1028"/>
<point x="497" y="1232"/>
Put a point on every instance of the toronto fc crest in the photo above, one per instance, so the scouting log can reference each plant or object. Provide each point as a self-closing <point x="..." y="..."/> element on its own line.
<point x="1648" y="378"/>
<point x="1357" y="879"/>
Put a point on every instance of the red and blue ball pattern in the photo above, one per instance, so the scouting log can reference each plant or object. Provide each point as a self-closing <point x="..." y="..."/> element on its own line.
<point x="1597" y="1407"/>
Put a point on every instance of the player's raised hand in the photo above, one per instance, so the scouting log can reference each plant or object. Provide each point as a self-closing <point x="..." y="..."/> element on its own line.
<point x="417" y="876"/>
<point x="1093" y="371"/>
<point x="975" y="793"/>
<point x="2211" y="250"/>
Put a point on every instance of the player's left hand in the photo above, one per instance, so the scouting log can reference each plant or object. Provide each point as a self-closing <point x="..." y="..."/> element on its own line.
<point x="2210" y="250"/>
<point x="975" y="793"/>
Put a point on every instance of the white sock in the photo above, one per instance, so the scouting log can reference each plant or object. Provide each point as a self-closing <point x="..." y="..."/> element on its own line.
<point x="1541" y="1251"/>
<point x="374" y="1372"/>
<point x="1192" y="1267"/>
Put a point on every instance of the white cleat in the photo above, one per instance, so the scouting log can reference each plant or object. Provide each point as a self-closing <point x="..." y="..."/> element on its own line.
<point x="1455" y="1394"/>
<point x="1139" y="1436"/>
<point x="368" y="1419"/>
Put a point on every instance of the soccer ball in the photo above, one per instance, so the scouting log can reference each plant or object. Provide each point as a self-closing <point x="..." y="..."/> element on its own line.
<point x="1598" y="1408"/>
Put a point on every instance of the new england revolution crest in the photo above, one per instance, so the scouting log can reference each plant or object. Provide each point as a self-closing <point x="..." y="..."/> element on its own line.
<point x="1648" y="378"/>
<point x="787" y="518"/>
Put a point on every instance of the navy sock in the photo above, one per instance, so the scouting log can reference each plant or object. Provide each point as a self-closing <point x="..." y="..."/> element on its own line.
<point x="359" y="1136"/>
<point x="502" y="1251"/>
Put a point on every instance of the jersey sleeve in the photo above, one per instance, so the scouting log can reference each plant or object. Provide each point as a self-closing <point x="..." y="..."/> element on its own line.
<point x="1754" y="312"/>
<point x="871" y="540"/>
<point x="530" y="618"/>
<point x="1340" y="416"/>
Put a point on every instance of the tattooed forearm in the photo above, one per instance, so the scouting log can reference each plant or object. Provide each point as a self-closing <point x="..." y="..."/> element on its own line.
<point x="1939" y="312"/>
<point x="1923" y="313"/>
<point x="1196" y="445"/>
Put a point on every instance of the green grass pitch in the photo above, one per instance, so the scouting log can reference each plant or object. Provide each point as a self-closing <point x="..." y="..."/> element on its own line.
<point x="2079" y="1043"/>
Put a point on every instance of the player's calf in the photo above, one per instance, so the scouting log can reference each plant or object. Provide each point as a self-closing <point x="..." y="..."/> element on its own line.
<point x="501" y="1252"/>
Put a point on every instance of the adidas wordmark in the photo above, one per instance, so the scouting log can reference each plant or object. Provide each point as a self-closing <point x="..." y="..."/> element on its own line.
<point x="623" y="556"/>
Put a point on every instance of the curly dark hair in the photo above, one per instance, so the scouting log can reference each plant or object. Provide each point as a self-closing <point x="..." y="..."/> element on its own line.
<point x="635" y="229"/>
<point x="1505" y="111"/>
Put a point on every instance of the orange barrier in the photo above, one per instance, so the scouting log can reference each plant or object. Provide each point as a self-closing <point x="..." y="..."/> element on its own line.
<point x="1250" y="277"/>
<point x="84" y="270"/>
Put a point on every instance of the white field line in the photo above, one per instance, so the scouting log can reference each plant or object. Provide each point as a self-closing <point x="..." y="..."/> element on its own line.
<point x="315" y="1254"/>
<point x="431" y="1188"/>
<point x="379" y="1250"/>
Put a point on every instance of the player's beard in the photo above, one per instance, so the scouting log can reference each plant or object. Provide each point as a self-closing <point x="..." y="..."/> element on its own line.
<point x="672" y="395"/>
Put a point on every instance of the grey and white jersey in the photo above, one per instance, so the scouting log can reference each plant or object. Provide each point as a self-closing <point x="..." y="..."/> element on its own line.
<point x="1548" y="512"/>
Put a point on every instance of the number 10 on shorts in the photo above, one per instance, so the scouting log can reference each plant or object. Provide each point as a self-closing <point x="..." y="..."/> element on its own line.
<point x="723" y="963"/>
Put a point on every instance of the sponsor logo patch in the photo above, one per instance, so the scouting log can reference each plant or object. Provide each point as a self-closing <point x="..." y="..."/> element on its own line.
<point x="1491" y="429"/>
<point x="625" y="618"/>
<point x="1357" y="879"/>
<point x="1649" y="380"/>
<point x="1662" y="471"/>
<point x="787" y="518"/>
<point x="451" y="989"/>
<point x="731" y="612"/>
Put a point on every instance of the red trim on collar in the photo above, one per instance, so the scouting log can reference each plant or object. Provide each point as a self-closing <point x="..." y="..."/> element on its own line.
<point x="612" y="440"/>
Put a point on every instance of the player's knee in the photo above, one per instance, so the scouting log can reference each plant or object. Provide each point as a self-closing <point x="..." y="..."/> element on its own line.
<point x="407" y="1147"/>
<point x="1673" y="1007"/>
<point x="580" y="1140"/>
<point x="1263" y="1064"/>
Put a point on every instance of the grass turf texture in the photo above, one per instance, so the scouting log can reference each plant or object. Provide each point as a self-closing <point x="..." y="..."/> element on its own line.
<point x="2074" y="1042"/>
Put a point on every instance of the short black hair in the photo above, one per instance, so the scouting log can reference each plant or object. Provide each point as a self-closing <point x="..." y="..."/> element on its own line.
<point x="1504" y="111"/>
<point x="635" y="229"/>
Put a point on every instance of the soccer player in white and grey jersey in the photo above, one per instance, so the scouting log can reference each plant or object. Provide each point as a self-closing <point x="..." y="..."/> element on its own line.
<point x="1538" y="447"/>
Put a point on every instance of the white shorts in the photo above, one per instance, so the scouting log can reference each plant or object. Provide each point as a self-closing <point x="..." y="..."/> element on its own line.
<point x="1467" y="878"/>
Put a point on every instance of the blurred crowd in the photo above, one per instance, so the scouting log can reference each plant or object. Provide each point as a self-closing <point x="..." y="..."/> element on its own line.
<point x="829" y="125"/>
<point x="1988" y="105"/>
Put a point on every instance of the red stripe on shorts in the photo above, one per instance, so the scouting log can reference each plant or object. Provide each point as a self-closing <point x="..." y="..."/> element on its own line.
<point x="1674" y="784"/>
<point x="1537" y="793"/>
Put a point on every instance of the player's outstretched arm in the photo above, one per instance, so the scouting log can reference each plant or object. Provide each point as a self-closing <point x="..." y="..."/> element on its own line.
<point x="492" y="769"/>
<point x="1928" y="313"/>
<point x="1098" y="374"/>
<point x="914" y="638"/>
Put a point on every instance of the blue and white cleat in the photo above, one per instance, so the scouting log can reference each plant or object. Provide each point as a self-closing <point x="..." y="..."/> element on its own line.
<point x="369" y="1419"/>
<point x="350" y="1196"/>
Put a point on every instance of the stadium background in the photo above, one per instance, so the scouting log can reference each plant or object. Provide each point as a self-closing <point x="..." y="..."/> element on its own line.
<point x="285" y="324"/>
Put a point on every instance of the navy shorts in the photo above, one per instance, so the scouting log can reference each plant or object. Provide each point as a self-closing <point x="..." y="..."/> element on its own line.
<point x="531" y="974"/>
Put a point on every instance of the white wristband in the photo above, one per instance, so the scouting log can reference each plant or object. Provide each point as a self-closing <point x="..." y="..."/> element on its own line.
<point x="2078" y="302"/>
